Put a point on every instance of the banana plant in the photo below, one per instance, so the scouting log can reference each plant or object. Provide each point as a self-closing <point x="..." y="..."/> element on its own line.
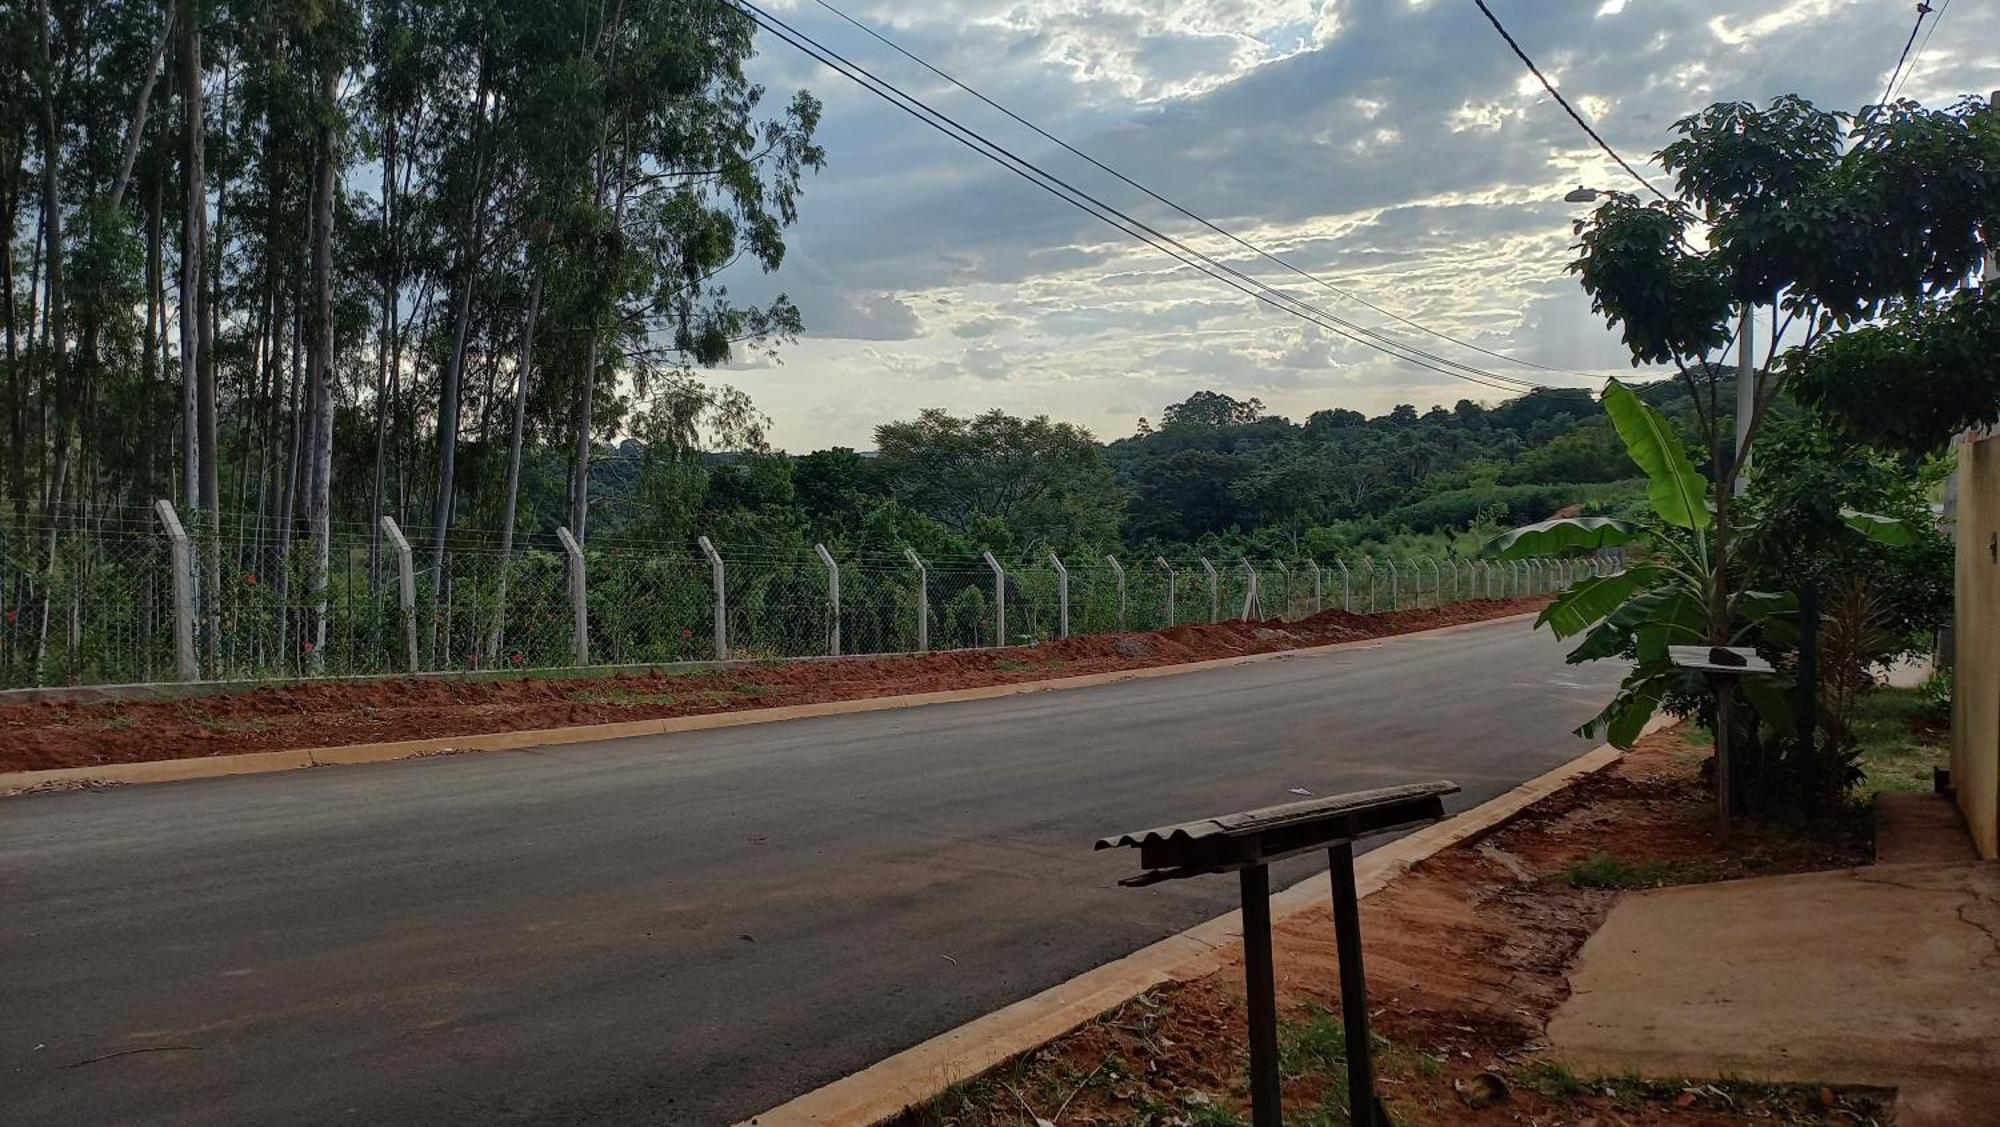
<point x="1670" y="597"/>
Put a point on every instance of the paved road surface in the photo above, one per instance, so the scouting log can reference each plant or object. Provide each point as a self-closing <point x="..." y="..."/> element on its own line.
<point x="682" y="929"/>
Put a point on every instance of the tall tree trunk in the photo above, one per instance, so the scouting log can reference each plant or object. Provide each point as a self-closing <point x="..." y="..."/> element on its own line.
<point x="523" y="369"/>
<point x="579" y="501"/>
<point x="156" y="306"/>
<point x="454" y="371"/>
<point x="194" y="237"/>
<point x="137" y="125"/>
<point x="54" y="322"/>
<point x="384" y="348"/>
<point x="319" y="504"/>
<point x="17" y="404"/>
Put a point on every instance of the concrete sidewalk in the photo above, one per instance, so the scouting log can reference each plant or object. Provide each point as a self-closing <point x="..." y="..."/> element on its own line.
<point x="1888" y="975"/>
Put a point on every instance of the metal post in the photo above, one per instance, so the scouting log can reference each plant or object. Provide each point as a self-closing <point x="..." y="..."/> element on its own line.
<point x="1062" y="596"/>
<point x="1346" y="586"/>
<point x="1250" y="599"/>
<point x="1353" y="985"/>
<point x="578" y="596"/>
<point x="832" y="599"/>
<point x="1261" y="993"/>
<point x="182" y="561"/>
<point x="923" y="600"/>
<point x="1214" y="593"/>
<point x="999" y="599"/>
<point x="1169" y="569"/>
<point x="715" y="576"/>
<point x="1317" y="607"/>
<point x="406" y="587"/>
<point x="1118" y="570"/>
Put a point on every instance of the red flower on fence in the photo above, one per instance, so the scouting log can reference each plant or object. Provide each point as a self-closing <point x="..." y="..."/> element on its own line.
<point x="310" y="647"/>
<point x="250" y="579"/>
<point x="687" y="632"/>
<point x="473" y="657"/>
<point x="519" y="657"/>
<point x="14" y="614"/>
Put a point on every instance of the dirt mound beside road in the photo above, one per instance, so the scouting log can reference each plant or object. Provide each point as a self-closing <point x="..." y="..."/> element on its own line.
<point x="44" y="734"/>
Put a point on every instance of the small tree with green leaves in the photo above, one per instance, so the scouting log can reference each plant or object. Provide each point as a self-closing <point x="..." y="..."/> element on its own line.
<point x="1855" y="230"/>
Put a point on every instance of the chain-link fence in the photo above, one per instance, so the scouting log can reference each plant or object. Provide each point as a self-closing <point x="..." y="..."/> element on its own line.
<point x="101" y="600"/>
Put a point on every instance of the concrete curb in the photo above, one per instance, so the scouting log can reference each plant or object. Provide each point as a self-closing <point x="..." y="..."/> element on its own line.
<point x="173" y="770"/>
<point x="890" y="1087"/>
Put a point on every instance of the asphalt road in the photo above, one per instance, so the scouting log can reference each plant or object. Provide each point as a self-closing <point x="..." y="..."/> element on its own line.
<point x="681" y="929"/>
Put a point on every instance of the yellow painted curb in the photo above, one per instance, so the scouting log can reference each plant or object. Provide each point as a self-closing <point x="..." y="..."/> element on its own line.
<point x="216" y="766"/>
<point x="918" y="1074"/>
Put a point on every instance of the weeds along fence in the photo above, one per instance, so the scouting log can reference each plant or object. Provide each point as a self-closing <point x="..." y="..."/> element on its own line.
<point x="143" y="597"/>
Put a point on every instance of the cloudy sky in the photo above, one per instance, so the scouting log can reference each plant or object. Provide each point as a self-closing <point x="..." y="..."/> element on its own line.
<point x="1395" y="148"/>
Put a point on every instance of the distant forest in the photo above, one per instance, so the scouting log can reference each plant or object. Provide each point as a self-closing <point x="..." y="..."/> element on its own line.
<point x="1214" y="471"/>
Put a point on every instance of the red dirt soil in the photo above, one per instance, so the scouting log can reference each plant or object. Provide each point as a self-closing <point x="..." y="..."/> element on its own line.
<point x="41" y="734"/>
<point x="1467" y="957"/>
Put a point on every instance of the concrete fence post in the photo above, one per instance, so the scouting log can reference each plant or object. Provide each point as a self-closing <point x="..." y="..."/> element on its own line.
<point x="1118" y="572"/>
<point x="1285" y="595"/>
<point x="1250" y="599"/>
<point x="1346" y="585"/>
<point x="1317" y="606"/>
<point x="832" y="599"/>
<point x="1455" y="596"/>
<point x="406" y="592"/>
<point x="923" y="600"/>
<point x="579" y="600"/>
<point x="181" y="558"/>
<point x="1214" y="593"/>
<point x="721" y="599"/>
<point x="1169" y="569"/>
<point x="999" y="599"/>
<point x="1062" y="596"/>
<point x="1437" y="583"/>
<point x="1395" y="596"/>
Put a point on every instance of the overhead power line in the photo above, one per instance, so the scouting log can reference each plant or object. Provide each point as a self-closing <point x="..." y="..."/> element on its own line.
<point x="1921" y="48"/>
<point x="1923" y="9"/>
<point x="1110" y="215"/>
<point x="1564" y="102"/>
<point x="1189" y="213"/>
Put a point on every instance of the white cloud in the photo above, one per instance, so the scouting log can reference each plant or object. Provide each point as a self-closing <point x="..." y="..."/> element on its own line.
<point x="1398" y="151"/>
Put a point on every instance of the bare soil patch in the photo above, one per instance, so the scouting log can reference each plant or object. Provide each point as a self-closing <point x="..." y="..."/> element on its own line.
<point x="1467" y="957"/>
<point x="47" y="734"/>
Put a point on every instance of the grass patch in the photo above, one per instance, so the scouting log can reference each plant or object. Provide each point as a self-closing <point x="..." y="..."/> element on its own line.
<point x="1318" y="1043"/>
<point x="1602" y="870"/>
<point x="1900" y="737"/>
<point x="1550" y="1078"/>
<point x="1024" y="665"/>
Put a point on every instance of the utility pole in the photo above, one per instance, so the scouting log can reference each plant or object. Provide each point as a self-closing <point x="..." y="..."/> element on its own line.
<point x="1746" y="391"/>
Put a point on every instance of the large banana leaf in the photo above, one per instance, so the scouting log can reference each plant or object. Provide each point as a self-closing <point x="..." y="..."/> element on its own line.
<point x="1591" y="599"/>
<point x="1881" y="529"/>
<point x="1678" y="493"/>
<point x="1552" y="537"/>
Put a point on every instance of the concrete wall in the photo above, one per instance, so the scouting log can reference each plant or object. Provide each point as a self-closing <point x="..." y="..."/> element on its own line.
<point x="1975" y="701"/>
